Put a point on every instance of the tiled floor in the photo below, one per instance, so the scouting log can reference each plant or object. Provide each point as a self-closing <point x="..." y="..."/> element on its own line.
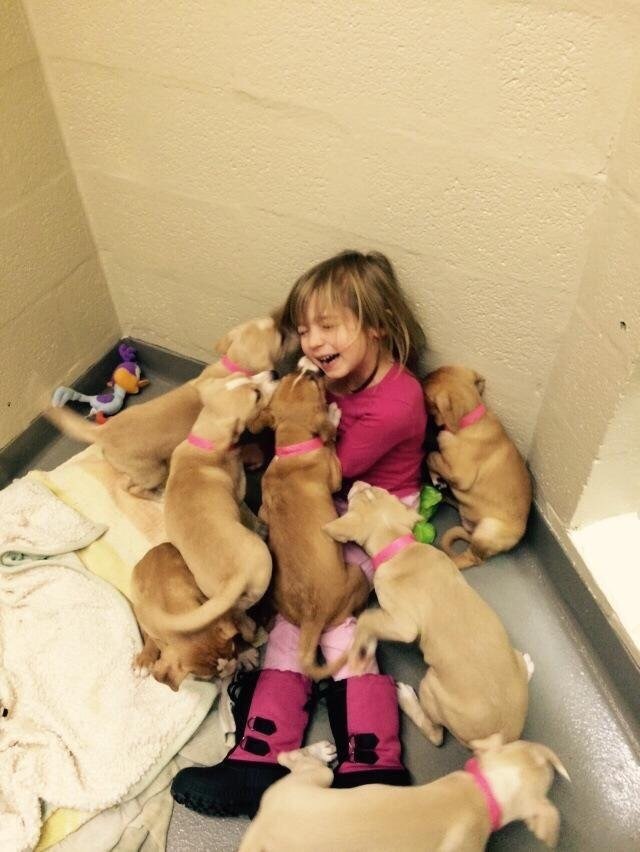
<point x="573" y="709"/>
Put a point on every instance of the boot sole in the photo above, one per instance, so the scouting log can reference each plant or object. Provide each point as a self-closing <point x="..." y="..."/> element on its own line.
<point x="214" y="809"/>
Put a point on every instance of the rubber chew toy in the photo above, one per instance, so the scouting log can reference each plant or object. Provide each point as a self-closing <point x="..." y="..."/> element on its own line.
<point x="430" y="499"/>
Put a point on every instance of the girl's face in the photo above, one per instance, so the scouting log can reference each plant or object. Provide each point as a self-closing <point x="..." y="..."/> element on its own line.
<point x="330" y="336"/>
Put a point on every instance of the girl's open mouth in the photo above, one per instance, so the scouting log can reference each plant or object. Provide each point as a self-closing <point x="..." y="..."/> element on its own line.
<point x="327" y="359"/>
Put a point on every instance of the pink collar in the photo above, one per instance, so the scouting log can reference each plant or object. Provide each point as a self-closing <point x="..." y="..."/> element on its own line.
<point x="493" y="806"/>
<point x="201" y="443"/>
<point x="232" y="367"/>
<point x="299" y="449"/>
<point x="473" y="416"/>
<point x="390" y="550"/>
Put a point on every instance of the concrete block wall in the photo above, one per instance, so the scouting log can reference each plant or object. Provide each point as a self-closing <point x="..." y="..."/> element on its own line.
<point x="221" y="148"/>
<point x="57" y="315"/>
<point x="591" y="393"/>
<point x="613" y="487"/>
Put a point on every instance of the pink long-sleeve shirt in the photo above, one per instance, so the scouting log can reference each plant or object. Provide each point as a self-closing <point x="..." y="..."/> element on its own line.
<point x="381" y="433"/>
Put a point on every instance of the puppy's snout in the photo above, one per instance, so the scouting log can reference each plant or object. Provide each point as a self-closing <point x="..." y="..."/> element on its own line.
<point x="306" y="365"/>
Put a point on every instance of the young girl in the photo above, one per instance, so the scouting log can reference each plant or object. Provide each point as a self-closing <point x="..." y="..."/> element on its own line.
<point x="356" y="325"/>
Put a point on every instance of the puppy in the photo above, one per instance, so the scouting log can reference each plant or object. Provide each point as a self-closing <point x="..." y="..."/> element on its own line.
<point x="476" y="684"/>
<point x="139" y="441"/>
<point x="480" y="463"/>
<point x="161" y="580"/>
<point x="230" y="564"/>
<point x="501" y="784"/>
<point x="312" y="587"/>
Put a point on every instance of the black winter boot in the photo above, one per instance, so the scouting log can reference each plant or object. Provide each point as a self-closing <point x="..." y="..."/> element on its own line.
<point x="364" y="719"/>
<point x="271" y="710"/>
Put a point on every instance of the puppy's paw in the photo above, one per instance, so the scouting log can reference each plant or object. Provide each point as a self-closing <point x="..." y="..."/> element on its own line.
<point x="324" y="751"/>
<point x="140" y="671"/>
<point x="436" y="479"/>
<point x="226" y="668"/>
<point x="363" y="653"/>
<point x="247" y="627"/>
<point x="260" y="638"/>
<point x="290" y="758"/>
<point x="335" y="414"/>
<point x="531" y="666"/>
<point x="249" y="659"/>
<point x="436" y="735"/>
<point x="406" y="696"/>
<point x="142" y="664"/>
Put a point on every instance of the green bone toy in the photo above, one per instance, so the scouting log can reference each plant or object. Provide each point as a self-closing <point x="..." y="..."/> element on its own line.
<point x="430" y="499"/>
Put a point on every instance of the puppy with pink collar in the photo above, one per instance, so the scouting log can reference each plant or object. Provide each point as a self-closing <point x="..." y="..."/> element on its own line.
<point x="499" y="784"/>
<point x="476" y="684"/>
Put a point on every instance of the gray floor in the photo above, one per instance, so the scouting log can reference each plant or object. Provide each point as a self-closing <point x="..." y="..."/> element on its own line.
<point x="573" y="709"/>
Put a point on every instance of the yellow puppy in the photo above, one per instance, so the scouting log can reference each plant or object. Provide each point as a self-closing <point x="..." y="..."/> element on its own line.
<point x="231" y="565"/>
<point x="139" y="441"/>
<point x="480" y="463"/>
<point x="162" y="580"/>
<point x="312" y="587"/>
<point x="476" y="683"/>
<point x="456" y="813"/>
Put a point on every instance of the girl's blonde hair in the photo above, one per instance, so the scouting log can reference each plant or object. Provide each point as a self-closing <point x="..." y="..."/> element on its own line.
<point x="367" y="284"/>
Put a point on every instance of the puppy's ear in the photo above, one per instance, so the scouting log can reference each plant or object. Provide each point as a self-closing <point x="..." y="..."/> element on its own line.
<point x="207" y="388"/>
<point x="237" y="429"/>
<point x="543" y="754"/>
<point x="495" y="741"/>
<point x="544" y="821"/>
<point x="262" y="420"/>
<point x="233" y="427"/>
<point x="223" y="344"/>
<point x="169" y="674"/>
<point x="479" y="383"/>
<point x="445" y="411"/>
<point x="344" y="529"/>
<point x="289" y="342"/>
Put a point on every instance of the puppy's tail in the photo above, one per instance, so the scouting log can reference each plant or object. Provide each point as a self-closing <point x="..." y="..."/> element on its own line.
<point x="73" y="424"/>
<point x="451" y="536"/>
<point x="310" y="632"/>
<point x="196" y="619"/>
<point x="469" y="557"/>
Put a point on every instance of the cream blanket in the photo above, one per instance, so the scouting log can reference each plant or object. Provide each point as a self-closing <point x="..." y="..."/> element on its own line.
<point x="80" y="731"/>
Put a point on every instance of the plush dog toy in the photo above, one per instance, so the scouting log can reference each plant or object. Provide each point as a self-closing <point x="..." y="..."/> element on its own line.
<point x="125" y="379"/>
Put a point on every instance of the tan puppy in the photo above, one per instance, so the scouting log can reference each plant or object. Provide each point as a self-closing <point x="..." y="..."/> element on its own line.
<point x="312" y="587"/>
<point x="480" y="463"/>
<point x="139" y="440"/>
<point x="231" y="565"/>
<point x="161" y="580"/>
<point x="476" y="684"/>
<point x="451" y="814"/>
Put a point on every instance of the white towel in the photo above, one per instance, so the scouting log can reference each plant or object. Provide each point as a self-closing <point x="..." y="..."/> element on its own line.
<point x="81" y="730"/>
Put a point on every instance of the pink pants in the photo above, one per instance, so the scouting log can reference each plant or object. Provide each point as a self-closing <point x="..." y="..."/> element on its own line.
<point x="283" y="645"/>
